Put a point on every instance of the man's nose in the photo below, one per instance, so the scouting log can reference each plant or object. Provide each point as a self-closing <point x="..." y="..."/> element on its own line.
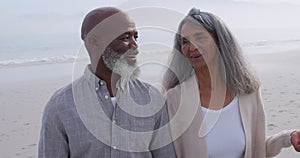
<point x="133" y="43"/>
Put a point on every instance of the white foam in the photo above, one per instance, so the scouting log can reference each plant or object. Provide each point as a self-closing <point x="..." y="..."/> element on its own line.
<point x="43" y="60"/>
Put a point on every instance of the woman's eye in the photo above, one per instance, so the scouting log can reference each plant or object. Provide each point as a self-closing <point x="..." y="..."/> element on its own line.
<point x="184" y="41"/>
<point x="200" y="38"/>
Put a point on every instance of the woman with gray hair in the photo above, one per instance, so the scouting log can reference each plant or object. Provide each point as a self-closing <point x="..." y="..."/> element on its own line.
<point x="213" y="98"/>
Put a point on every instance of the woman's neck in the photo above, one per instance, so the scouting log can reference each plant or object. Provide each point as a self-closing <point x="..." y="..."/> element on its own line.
<point x="212" y="89"/>
<point x="208" y="78"/>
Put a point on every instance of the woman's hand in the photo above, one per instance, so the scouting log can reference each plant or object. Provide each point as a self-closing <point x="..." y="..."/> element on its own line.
<point x="295" y="140"/>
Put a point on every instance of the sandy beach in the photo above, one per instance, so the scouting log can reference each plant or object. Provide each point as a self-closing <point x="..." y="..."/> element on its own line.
<point x="25" y="91"/>
<point x="280" y="78"/>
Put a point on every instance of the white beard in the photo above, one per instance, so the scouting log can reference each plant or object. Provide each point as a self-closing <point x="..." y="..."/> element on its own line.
<point x="117" y="63"/>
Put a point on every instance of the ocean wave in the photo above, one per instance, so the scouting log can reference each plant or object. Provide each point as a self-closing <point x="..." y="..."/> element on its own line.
<point x="270" y="43"/>
<point x="43" y="60"/>
<point x="275" y="44"/>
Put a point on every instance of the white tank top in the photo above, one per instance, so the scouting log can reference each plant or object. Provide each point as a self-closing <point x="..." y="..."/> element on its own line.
<point x="227" y="137"/>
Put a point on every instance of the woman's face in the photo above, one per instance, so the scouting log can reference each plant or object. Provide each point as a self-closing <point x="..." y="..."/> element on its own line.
<point x="198" y="46"/>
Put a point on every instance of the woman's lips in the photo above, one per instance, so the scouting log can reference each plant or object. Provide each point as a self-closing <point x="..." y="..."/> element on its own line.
<point x="195" y="56"/>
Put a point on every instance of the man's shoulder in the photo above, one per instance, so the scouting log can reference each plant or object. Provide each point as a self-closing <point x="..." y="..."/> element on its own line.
<point x="62" y="92"/>
<point x="61" y="98"/>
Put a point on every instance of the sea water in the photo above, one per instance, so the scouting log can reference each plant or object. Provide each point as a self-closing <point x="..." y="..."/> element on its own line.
<point x="19" y="51"/>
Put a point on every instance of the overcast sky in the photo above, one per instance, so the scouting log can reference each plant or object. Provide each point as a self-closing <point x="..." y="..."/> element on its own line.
<point x="297" y="2"/>
<point x="40" y="18"/>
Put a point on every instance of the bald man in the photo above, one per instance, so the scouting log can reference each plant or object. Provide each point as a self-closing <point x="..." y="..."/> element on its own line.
<point x="108" y="112"/>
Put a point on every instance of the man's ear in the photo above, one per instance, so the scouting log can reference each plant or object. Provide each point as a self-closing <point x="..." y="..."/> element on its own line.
<point x="90" y="41"/>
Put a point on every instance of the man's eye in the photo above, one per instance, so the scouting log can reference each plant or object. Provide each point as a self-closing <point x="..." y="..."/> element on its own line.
<point x="136" y="36"/>
<point x="124" y="38"/>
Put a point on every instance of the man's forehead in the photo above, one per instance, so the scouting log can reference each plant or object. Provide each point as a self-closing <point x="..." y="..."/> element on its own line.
<point x="112" y="27"/>
<point x="115" y="23"/>
<point x="95" y="17"/>
<point x="131" y="28"/>
<point x="104" y="21"/>
<point x="130" y="32"/>
<point x="123" y="20"/>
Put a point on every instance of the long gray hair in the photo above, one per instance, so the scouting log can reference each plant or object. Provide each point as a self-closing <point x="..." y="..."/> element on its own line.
<point x="238" y="78"/>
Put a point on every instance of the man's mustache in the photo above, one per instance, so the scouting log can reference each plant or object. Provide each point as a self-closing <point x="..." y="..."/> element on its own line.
<point x="132" y="52"/>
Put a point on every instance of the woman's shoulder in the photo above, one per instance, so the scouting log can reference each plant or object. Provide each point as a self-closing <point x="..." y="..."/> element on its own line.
<point x="173" y="93"/>
<point x="254" y="93"/>
<point x="186" y="88"/>
<point x="251" y="100"/>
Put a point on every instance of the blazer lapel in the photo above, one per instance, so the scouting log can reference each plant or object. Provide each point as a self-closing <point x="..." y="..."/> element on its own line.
<point x="246" y="115"/>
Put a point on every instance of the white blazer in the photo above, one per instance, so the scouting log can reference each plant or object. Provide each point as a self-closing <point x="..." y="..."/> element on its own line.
<point x="186" y="118"/>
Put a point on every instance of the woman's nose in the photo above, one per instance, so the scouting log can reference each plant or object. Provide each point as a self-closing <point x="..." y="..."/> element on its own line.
<point x="192" y="47"/>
